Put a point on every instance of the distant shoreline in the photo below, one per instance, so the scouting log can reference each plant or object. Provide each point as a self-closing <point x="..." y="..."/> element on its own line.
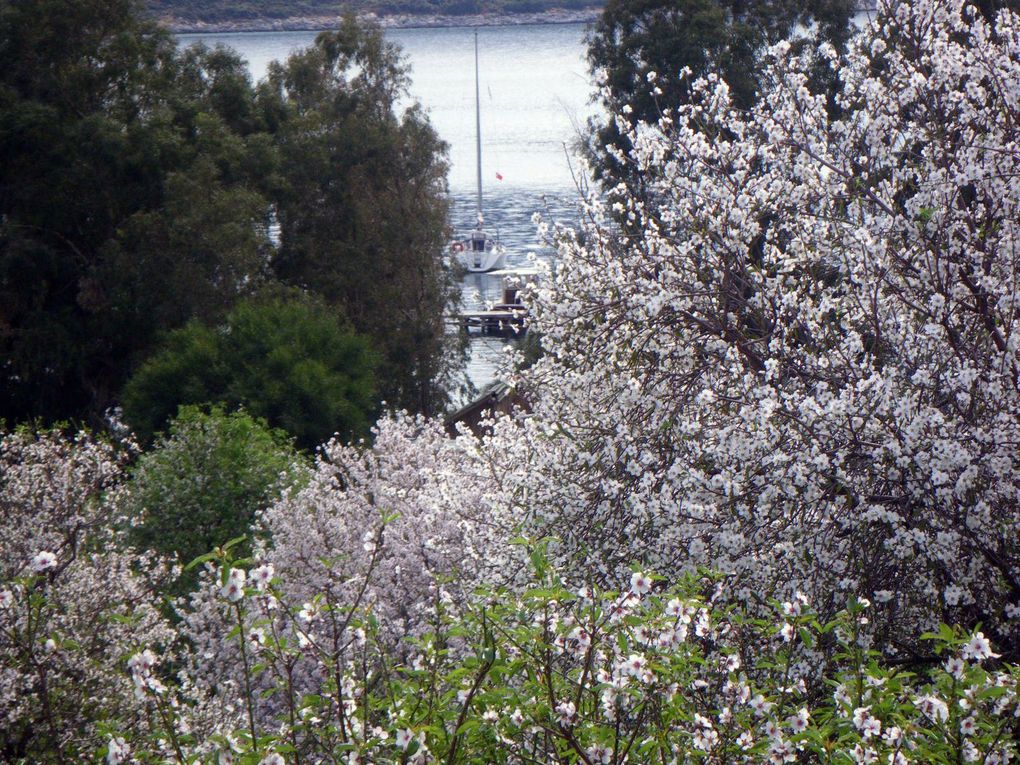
<point x="314" y="23"/>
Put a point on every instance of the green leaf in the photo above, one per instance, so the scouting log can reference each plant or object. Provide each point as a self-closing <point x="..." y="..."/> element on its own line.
<point x="201" y="559"/>
<point x="234" y="542"/>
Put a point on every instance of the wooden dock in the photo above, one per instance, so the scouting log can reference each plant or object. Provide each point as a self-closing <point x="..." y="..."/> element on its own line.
<point x="502" y="320"/>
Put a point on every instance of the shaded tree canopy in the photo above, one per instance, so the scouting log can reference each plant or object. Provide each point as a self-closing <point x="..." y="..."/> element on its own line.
<point x="285" y="358"/>
<point x="138" y="184"/>
<point x="362" y="205"/>
<point x="127" y="198"/>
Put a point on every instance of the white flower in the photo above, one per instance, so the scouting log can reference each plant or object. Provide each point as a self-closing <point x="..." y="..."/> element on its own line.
<point x="262" y="576"/>
<point x="257" y="637"/>
<point x="43" y="561"/>
<point x="142" y="663"/>
<point x="233" y="589"/>
<point x="955" y="667"/>
<point x="864" y="755"/>
<point x="866" y="723"/>
<point x="799" y="722"/>
<point x="579" y="640"/>
<point x="635" y="665"/>
<point x="273" y="758"/>
<point x="933" y="708"/>
<point x="368" y="541"/>
<point x="871" y="728"/>
<point x="403" y="737"/>
<point x="141" y="666"/>
<point x="760" y="705"/>
<point x="117" y="751"/>
<point x="893" y="734"/>
<point x="952" y="595"/>
<point x="640" y="584"/>
<point x="978" y="648"/>
<point x="703" y="624"/>
<point x="782" y="751"/>
<point x="565" y="712"/>
<point x="705" y="739"/>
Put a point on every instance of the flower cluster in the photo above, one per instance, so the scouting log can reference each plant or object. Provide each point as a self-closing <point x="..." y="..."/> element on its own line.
<point x="794" y="355"/>
<point x="548" y="672"/>
<point x="368" y="552"/>
<point x="73" y="603"/>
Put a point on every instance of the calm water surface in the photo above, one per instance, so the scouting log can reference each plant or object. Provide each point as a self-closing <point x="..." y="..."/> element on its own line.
<point x="534" y="99"/>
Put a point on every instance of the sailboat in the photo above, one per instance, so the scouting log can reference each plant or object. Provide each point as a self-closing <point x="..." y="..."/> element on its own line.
<point x="478" y="252"/>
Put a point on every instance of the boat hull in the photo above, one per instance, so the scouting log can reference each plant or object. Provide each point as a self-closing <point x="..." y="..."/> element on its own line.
<point x="481" y="262"/>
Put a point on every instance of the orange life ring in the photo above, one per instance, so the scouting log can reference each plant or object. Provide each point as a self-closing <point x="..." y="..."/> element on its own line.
<point x="457" y="247"/>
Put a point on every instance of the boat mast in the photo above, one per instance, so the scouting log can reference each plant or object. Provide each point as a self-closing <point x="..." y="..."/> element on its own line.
<point x="478" y="132"/>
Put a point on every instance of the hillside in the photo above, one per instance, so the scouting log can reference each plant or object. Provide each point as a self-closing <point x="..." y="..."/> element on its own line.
<point x="182" y="15"/>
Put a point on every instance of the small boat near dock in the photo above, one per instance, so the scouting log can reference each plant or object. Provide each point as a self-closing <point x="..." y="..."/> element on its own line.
<point x="478" y="252"/>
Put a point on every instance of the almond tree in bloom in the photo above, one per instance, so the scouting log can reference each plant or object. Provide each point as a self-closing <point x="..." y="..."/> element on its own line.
<point x="381" y="540"/>
<point x="805" y="371"/>
<point x="73" y="607"/>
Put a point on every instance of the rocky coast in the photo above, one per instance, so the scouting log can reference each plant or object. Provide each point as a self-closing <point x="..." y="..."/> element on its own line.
<point x="399" y="21"/>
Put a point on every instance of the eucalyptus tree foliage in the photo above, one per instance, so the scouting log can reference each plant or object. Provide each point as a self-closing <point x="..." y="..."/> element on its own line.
<point x="804" y="370"/>
<point x="129" y="198"/>
<point x="362" y="205"/>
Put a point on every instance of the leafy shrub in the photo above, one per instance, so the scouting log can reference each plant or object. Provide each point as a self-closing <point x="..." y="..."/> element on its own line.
<point x="203" y="482"/>
<point x="288" y="359"/>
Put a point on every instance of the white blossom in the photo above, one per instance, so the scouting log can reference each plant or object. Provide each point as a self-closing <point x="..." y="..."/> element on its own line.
<point x="43" y="561"/>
